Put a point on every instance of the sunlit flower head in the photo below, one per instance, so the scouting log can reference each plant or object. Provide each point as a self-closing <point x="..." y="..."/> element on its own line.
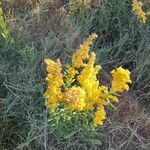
<point x="75" y="98"/>
<point x="121" y="78"/>
<point x="54" y="82"/>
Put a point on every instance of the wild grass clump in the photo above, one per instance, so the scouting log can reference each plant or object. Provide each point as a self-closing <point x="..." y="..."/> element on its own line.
<point x="128" y="127"/>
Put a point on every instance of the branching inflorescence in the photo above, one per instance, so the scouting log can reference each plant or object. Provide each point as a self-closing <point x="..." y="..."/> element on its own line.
<point x="78" y="89"/>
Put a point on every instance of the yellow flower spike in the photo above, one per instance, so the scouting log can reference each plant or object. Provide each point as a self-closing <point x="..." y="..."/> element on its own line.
<point x="89" y="41"/>
<point x="54" y="79"/>
<point x="78" y="58"/>
<point x="99" y="117"/>
<point x="83" y="52"/>
<point x="75" y="98"/>
<point x="137" y="9"/>
<point x="121" y="78"/>
<point x="88" y="79"/>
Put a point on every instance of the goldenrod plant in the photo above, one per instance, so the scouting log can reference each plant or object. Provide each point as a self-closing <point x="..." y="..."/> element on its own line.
<point x="138" y="10"/>
<point x="76" y="92"/>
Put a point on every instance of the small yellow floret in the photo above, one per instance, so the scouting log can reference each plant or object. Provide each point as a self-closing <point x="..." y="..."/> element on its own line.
<point x="99" y="117"/>
<point x="75" y="98"/>
<point x="113" y="98"/>
<point x="121" y="78"/>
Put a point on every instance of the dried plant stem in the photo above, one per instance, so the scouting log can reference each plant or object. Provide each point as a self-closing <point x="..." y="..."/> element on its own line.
<point x="45" y="131"/>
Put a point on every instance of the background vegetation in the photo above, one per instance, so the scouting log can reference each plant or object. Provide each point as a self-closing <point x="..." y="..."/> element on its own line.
<point x="40" y="29"/>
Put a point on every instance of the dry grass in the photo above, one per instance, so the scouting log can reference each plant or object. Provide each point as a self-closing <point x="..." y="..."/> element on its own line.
<point x="128" y="127"/>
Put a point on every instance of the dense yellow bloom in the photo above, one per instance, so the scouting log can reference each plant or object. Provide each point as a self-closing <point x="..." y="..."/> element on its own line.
<point x="88" y="79"/>
<point x="121" y="78"/>
<point x="75" y="98"/>
<point x="137" y="9"/>
<point x="99" y="117"/>
<point x="54" y="79"/>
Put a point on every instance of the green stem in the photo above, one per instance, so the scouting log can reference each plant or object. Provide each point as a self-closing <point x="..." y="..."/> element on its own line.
<point x="109" y="103"/>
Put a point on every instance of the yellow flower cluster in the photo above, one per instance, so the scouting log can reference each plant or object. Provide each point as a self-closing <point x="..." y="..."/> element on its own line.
<point x="78" y="89"/>
<point x="99" y="116"/>
<point x="137" y="9"/>
<point x="121" y="78"/>
<point x="89" y="82"/>
<point x="75" y="98"/>
<point x="54" y="80"/>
